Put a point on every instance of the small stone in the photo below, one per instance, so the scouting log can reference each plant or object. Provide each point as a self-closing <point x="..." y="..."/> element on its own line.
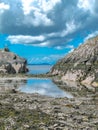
<point x="85" y="118"/>
<point x="26" y="126"/>
<point x="55" y="125"/>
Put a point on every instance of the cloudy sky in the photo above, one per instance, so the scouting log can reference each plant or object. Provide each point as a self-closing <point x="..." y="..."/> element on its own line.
<point x="46" y="30"/>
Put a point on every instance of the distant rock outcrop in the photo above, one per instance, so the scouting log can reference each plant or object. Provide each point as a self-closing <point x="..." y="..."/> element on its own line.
<point x="81" y="64"/>
<point x="11" y="63"/>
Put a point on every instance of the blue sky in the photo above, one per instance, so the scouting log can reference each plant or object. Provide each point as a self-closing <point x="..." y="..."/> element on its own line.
<point x="44" y="31"/>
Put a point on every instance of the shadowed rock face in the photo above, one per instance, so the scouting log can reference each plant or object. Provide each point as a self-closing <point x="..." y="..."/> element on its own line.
<point x="12" y="63"/>
<point x="81" y="64"/>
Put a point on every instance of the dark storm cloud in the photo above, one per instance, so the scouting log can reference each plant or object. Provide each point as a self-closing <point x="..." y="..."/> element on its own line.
<point x="58" y="22"/>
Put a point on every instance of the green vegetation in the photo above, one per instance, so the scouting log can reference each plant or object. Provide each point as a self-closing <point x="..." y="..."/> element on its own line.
<point x="24" y="119"/>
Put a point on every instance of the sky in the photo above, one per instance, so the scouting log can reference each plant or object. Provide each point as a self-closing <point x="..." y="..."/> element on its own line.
<point x="43" y="31"/>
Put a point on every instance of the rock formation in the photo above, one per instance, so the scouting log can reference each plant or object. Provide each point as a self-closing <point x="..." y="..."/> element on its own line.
<point x="81" y="64"/>
<point x="11" y="63"/>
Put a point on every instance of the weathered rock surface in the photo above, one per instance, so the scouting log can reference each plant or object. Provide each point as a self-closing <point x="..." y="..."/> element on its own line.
<point x="24" y="111"/>
<point x="20" y="111"/>
<point x="11" y="63"/>
<point x="81" y="64"/>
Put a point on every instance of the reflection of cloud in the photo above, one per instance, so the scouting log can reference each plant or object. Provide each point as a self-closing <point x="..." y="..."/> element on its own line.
<point x="44" y="87"/>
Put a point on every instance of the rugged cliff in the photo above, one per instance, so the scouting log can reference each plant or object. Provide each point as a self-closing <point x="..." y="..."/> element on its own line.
<point x="81" y="64"/>
<point x="11" y="63"/>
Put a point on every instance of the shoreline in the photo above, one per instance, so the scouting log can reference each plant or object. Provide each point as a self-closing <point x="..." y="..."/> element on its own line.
<point x="44" y="76"/>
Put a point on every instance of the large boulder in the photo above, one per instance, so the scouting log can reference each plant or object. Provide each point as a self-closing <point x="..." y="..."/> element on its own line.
<point x="80" y="65"/>
<point x="12" y="63"/>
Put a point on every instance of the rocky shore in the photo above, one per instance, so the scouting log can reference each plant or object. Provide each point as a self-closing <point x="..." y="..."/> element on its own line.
<point x="21" y="111"/>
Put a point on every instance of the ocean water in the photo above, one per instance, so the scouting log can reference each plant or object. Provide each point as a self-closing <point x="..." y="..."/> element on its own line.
<point x="39" y="69"/>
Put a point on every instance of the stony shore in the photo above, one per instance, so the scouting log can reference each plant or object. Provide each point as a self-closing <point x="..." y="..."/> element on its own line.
<point x="20" y="111"/>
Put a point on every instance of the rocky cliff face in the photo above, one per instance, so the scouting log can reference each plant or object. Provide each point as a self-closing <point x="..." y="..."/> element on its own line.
<point x="81" y="64"/>
<point x="11" y="63"/>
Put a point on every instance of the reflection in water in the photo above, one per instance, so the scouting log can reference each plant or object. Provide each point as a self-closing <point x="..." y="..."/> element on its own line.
<point x="43" y="87"/>
<point x="49" y="88"/>
<point x="78" y="90"/>
<point x="8" y="85"/>
<point x="40" y="86"/>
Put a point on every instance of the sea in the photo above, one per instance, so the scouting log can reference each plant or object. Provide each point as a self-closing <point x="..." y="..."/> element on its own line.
<point x="39" y="69"/>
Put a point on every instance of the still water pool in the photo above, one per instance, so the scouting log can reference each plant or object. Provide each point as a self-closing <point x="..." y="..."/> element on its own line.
<point x="43" y="87"/>
<point x="34" y="85"/>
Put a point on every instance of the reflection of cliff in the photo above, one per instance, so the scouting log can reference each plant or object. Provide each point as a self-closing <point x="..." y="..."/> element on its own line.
<point x="9" y="85"/>
<point x="76" y="89"/>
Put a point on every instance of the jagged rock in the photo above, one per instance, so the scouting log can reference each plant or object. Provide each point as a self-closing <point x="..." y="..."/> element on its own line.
<point x="11" y="63"/>
<point x="81" y="64"/>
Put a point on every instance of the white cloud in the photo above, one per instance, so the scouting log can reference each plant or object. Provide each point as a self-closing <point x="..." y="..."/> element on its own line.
<point x="86" y="5"/>
<point x="53" y="34"/>
<point x="70" y="46"/>
<point x="42" y="19"/>
<point x="63" y="47"/>
<point x="71" y="50"/>
<point x="27" y="6"/>
<point x="39" y="16"/>
<point x="42" y="5"/>
<point x="57" y="21"/>
<point x="59" y="47"/>
<point x="40" y="9"/>
<point x="43" y="44"/>
<point x="47" y="5"/>
<point x="91" y="35"/>
<point x="3" y="7"/>
<point x="25" y="39"/>
<point x="37" y="20"/>
<point x="70" y="28"/>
